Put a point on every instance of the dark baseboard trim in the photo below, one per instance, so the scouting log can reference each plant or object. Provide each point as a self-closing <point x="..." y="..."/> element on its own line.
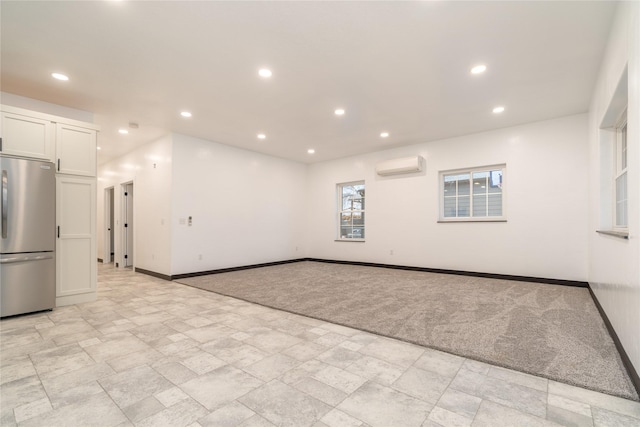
<point x="152" y="273"/>
<point x="230" y="269"/>
<point x="100" y="260"/>
<point x="373" y="264"/>
<point x="631" y="370"/>
<point x="461" y="273"/>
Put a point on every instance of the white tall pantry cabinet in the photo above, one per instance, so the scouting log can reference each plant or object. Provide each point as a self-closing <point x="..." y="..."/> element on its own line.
<point x="71" y="145"/>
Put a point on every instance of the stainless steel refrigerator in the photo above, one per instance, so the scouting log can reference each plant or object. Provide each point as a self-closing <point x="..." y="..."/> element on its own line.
<point x="27" y="244"/>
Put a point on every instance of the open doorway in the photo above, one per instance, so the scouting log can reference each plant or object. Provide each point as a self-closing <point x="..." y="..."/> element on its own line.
<point x="109" y="221"/>
<point x="127" y="224"/>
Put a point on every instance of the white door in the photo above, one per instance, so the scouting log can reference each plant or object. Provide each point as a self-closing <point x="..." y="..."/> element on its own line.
<point x="127" y="224"/>
<point x="75" y="243"/>
<point x="112" y="233"/>
<point x="108" y="226"/>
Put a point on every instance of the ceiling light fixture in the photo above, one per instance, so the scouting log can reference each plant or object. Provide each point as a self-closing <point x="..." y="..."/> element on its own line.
<point x="339" y="112"/>
<point x="123" y="131"/>
<point x="262" y="136"/>
<point x="384" y="134"/>
<point x="498" y="110"/>
<point x="479" y="69"/>
<point x="265" y="72"/>
<point x="311" y="151"/>
<point x="59" y="76"/>
<point x="98" y="148"/>
<point x="185" y="114"/>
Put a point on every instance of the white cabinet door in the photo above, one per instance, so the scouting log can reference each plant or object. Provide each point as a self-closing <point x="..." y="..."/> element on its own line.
<point x="76" y="150"/>
<point x="76" y="242"/>
<point x="27" y="136"/>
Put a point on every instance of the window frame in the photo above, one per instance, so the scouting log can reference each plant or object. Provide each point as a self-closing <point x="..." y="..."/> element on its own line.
<point x="441" y="197"/>
<point x="340" y="211"/>
<point x="620" y="168"/>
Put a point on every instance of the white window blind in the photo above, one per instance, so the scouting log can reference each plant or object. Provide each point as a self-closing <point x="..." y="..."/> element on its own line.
<point x="620" y="178"/>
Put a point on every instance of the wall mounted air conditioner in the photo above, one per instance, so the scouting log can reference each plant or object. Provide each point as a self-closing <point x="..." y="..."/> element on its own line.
<point x="398" y="166"/>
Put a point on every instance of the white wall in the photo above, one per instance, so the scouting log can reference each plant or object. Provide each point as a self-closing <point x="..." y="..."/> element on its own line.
<point x="152" y="204"/>
<point x="546" y="201"/>
<point x="614" y="263"/>
<point x="45" y="107"/>
<point x="247" y="208"/>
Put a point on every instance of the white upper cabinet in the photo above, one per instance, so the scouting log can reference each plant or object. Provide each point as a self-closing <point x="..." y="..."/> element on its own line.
<point x="69" y="143"/>
<point x="27" y="136"/>
<point x="75" y="150"/>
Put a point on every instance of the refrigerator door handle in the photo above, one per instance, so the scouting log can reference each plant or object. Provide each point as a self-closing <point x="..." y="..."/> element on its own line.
<point x="24" y="259"/>
<point x="4" y="201"/>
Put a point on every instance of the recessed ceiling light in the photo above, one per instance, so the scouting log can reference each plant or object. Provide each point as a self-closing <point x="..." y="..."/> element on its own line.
<point x="384" y="134"/>
<point x="479" y="69"/>
<point x="498" y="110"/>
<point x="98" y="148"/>
<point x="262" y="136"/>
<point x="311" y="151"/>
<point x="265" y="72"/>
<point x="339" y="112"/>
<point x="59" y="76"/>
<point x="185" y="114"/>
<point x="123" y="131"/>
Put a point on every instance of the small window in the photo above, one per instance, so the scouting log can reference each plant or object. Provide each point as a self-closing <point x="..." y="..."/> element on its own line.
<point x="620" y="175"/>
<point x="473" y="194"/>
<point x="351" y="211"/>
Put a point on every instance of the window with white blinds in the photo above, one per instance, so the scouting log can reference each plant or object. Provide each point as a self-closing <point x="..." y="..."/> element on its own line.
<point x="351" y="211"/>
<point x="620" y="175"/>
<point x="473" y="194"/>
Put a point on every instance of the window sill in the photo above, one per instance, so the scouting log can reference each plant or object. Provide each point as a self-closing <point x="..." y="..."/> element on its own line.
<point x="619" y="234"/>
<point x="349" y="240"/>
<point x="443" y="221"/>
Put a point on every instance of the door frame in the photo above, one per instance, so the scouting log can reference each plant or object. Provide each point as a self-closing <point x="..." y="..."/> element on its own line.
<point x="124" y="230"/>
<point x="109" y="227"/>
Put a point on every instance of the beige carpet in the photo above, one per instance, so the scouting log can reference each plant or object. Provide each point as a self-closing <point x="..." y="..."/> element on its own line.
<point x="551" y="331"/>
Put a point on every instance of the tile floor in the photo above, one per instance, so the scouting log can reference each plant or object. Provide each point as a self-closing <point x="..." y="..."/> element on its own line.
<point x="155" y="353"/>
